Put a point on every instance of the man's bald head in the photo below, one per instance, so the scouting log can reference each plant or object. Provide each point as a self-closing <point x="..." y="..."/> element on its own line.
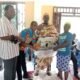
<point x="45" y="18"/>
<point x="9" y="11"/>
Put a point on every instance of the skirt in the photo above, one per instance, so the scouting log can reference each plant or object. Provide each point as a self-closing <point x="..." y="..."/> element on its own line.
<point x="63" y="62"/>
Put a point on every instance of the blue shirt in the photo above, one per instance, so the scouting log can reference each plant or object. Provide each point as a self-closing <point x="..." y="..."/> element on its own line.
<point x="23" y="35"/>
<point x="29" y="31"/>
<point x="25" y="31"/>
<point x="66" y="50"/>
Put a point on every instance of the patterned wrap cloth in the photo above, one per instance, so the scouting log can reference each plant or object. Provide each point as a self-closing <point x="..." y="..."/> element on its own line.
<point x="47" y="35"/>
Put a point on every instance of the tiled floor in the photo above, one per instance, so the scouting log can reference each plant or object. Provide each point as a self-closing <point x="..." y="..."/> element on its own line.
<point x="43" y="76"/>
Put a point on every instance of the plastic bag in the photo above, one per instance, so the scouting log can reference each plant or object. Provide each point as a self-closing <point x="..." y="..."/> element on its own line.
<point x="30" y="66"/>
<point x="44" y="53"/>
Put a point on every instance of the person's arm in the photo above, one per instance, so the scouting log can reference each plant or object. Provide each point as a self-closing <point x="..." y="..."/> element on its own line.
<point x="19" y="38"/>
<point x="64" y="44"/>
<point x="67" y="42"/>
<point x="6" y="37"/>
<point x="12" y="38"/>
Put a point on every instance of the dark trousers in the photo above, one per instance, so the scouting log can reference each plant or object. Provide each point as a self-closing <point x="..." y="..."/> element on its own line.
<point x="10" y="69"/>
<point x="49" y="68"/>
<point x="21" y="65"/>
<point x="1" y="64"/>
<point x="75" y="66"/>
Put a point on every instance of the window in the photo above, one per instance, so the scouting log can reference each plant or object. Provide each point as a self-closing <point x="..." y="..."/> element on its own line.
<point x="18" y="20"/>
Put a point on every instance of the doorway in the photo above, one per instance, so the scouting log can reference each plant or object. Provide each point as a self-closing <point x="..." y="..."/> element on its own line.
<point x="68" y="14"/>
<point x="75" y="25"/>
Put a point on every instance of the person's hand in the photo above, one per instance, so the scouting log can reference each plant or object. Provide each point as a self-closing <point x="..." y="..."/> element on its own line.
<point x="55" y="48"/>
<point x="13" y="39"/>
<point x="18" y="38"/>
<point x="10" y="38"/>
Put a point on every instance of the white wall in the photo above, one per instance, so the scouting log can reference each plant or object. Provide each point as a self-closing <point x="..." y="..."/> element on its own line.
<point x="71" y="3"/>
<point x="40" y="3"/>
<point x="75" y="25"/>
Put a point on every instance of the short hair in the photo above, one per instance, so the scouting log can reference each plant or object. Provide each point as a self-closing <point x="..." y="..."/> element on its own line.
<point x="67" y="25"/>
<point x="33" y="22"/>
<point x="46" y="15"/>
<point x="7" y="7"/>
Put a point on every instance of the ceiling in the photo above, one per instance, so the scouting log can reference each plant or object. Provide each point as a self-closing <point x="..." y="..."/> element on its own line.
<point x="70" y="3"/>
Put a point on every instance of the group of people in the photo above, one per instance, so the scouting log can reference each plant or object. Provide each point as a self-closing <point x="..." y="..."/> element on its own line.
<point x="13" y="55"/>
<point x="65" y="53"/>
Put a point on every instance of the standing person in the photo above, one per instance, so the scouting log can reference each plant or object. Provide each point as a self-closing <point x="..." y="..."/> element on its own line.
<point x="21" y="63"/>
<point x="64" y="52"/>
<point x="45" y="22"/>
<point x="31" y="32"/>
<point x="9" y="43"/>
<point x="73" y="56"/>
<point x="40" y="27"/>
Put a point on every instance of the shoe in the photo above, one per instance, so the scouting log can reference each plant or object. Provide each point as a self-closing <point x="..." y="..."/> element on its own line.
<point x="59" y="76"/>
<point x="48" y="73"/>
<point x="76" y="77"/>
<point x="26" y="76"/>
<point x="36" y="74"/>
